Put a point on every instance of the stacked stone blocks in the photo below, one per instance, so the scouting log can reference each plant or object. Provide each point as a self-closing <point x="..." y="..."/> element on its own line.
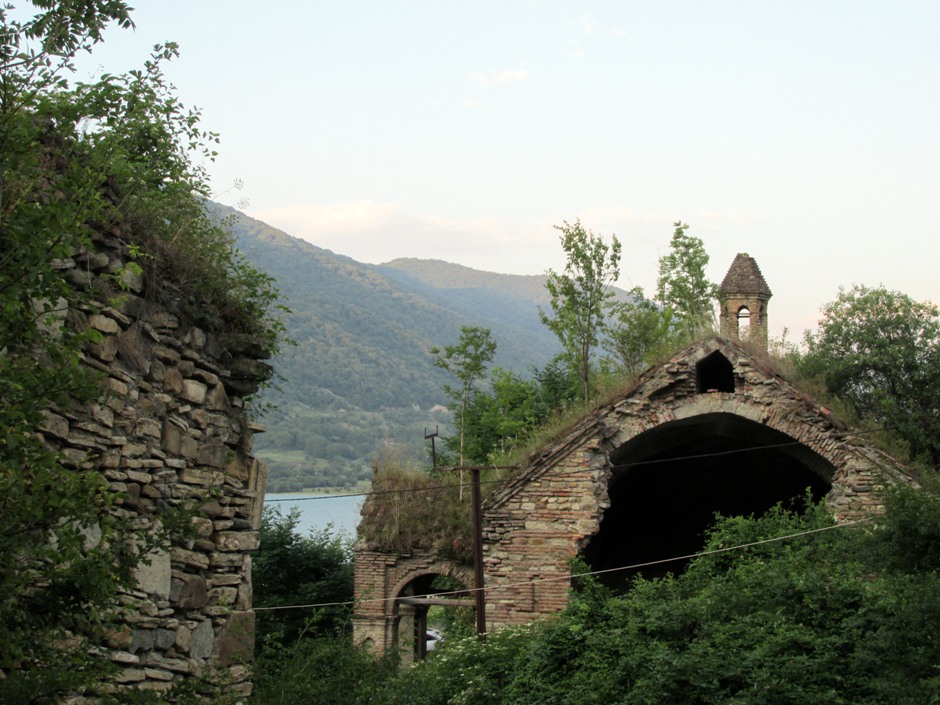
<point x="169" y="432"/>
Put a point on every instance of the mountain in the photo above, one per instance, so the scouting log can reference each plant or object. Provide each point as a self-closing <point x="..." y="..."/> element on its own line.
<point x="360" y="377"/>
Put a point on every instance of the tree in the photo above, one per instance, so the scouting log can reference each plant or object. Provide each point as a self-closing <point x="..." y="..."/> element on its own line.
<point x="580" y="296"/>
<point x="59" y="584"/>
<point x="291" y="569"/>
<point x="467" y="362"/>
<point x="682" y="287"/>
<point x="639" y="332"/>
<point x="880" y="351"/>
<point x="497" y="420"/>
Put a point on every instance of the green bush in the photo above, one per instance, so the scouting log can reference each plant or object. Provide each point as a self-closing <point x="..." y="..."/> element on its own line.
<point x="290" y="569"/>
<point x="324" y="670"/>
<point x="825" y="617"/>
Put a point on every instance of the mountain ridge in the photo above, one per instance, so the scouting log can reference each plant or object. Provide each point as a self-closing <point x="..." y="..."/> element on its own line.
<point x="361" y="378"/>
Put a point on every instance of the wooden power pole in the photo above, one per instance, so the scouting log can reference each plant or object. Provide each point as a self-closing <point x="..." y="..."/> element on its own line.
<point x="477" y="522"/>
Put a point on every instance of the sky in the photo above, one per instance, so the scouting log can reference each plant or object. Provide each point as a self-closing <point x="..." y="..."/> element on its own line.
<point x="803" y="132"/>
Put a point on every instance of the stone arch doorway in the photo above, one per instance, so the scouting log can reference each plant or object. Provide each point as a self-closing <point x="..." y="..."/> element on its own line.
<point x="667" y="484"/>
<point x="395" y="593"/>
<point x="415" y="599"/>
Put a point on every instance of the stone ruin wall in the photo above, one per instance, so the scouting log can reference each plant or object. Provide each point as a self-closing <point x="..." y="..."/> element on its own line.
<point x="549" y="513"/>
<point x="167" y="431"/>
<point x="544" y="517"/>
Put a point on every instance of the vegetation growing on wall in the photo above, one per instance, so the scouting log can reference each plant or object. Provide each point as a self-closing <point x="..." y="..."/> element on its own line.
<point x="78" y="163"/>
<point x="409" y="508"/>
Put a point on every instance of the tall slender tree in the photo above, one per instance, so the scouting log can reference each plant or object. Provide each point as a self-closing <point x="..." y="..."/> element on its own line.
<point x="683" y="287"/>
<point x="581" y="296"/>
<point x="467" y="361"/>
<point x="639" y="332"/>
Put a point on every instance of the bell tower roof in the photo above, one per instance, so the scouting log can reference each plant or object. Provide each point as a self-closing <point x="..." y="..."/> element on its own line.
<point x="744" y="277"/>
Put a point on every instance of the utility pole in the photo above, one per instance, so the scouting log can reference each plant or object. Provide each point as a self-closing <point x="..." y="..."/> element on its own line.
<point x="478" y="552"/>
<point x="432" y="436"/>
<point x="476" y="517"/>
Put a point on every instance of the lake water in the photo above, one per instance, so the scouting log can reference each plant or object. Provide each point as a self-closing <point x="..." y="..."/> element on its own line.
<point x="319" y="511"/>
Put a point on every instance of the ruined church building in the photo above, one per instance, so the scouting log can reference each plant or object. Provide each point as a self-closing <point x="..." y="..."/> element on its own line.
<point x="639" y="479"/>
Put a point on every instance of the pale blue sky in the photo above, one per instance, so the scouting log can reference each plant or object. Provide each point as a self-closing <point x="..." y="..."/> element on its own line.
<point x="806" y="133"/>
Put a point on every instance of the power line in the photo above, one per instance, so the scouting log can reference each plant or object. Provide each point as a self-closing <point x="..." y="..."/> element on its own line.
<point x="570" y="576"/>
<point x="639" y="463"/>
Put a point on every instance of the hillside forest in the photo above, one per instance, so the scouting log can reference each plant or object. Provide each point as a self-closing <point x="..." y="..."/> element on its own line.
<point x="360" y="377"/>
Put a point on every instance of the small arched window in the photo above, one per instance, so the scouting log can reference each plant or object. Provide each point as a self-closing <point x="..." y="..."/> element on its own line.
<point x="715" y="373"/>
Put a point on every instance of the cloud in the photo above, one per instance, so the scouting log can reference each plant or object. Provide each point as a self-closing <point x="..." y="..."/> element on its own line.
<point x="375" y="232"/>
<point x="574" y="52"/>
<point x="498" y="78"/>
<point x="588" y="23"/>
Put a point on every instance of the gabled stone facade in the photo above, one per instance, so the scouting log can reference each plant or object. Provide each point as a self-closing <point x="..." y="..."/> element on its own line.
<point x="169" y="430"/>
<point x="711" y="402"/>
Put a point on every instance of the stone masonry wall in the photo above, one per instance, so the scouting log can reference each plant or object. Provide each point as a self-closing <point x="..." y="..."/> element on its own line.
<point x="552" y="509"/>
<point x="168" y="431"/>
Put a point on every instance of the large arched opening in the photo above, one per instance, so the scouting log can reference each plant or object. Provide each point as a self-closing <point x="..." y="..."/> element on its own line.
<point x="668" y="483"/>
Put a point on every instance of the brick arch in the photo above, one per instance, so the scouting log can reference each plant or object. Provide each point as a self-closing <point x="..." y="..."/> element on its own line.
<point x="380" y="578"/>
<point x="461" y="573"/>
<point x="667" y="482"/>
<point x="821" y="447"/>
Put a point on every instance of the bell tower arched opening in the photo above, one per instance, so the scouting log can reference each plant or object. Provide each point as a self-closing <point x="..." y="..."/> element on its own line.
<point x="744" y="323"/>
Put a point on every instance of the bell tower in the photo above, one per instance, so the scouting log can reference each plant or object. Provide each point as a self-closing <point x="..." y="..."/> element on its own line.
<point x="744" y="297"/>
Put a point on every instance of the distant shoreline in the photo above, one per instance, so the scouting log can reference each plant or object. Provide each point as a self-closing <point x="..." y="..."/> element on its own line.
<point x="347" y="492"/>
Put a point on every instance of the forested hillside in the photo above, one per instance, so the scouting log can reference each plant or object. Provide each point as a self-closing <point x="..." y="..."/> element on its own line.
<point x="361" y="375"/>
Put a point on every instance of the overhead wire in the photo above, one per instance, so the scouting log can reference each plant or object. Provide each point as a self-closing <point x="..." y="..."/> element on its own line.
<point x="572" y="576"/>
<point x="622" y="466"/>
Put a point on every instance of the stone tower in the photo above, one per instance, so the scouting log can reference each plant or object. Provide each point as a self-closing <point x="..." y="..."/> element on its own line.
<point x="744" y="297"/>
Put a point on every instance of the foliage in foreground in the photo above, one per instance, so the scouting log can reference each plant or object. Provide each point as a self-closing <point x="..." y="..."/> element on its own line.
<point x="292" y="569"/>
<point x="843" y="615"/>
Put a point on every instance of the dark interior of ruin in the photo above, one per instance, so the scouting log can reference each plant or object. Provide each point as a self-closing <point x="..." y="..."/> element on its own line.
<point x="668" y="484"/>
